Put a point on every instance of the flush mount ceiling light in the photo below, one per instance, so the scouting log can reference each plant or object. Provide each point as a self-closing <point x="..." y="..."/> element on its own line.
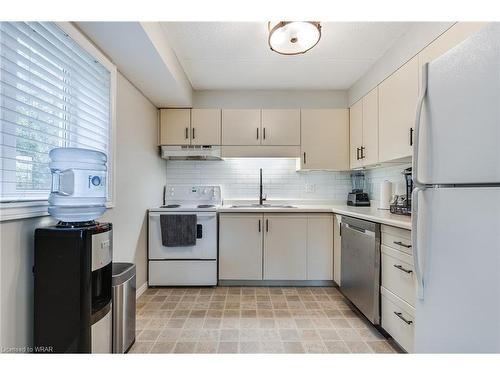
<point x="293" y="37"/>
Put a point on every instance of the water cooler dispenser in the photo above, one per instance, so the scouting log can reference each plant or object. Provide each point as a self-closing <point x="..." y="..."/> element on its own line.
<point x="73" y="259"/>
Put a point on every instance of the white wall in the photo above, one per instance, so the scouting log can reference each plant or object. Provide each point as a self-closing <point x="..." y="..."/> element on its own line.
<point x="136" y="157"/>
<point x="416" y="39"/>
<point x="239" y="178"/>
<point x="270" y="99"/>
<point x="140" y="176"/>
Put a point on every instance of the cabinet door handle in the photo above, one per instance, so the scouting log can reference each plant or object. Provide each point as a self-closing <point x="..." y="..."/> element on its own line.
<point x="411" y="136"/>
<point x="264" y="133"/>
<point x="401" y="244"/>
<point x="362" y="152"/>
<point x="186" y="135"/>
<point x="259" y="226"/>
<point x="192" y="131"/>
<point x="401" y="268"/>
<point x="257" y="133"/>
<point x="357" y="153"/>
<point x="400" y="316"/>
<point x="304" y="157"/>
<point x="267" y="225"/>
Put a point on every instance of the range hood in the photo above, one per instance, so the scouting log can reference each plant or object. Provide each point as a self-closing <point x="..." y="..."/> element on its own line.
<point x="191" y="152"/>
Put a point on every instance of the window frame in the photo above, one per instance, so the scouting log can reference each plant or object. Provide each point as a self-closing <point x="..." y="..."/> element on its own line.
<point x="36" y="208"/>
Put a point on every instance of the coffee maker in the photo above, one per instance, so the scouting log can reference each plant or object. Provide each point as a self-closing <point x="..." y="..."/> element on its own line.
<point x="357" y="197"/>
<point x="401" y="204"/>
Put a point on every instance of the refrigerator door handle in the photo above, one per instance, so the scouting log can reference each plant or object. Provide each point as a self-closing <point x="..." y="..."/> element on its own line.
<point x="416" y="138"/>
<point x="414" y="240"/>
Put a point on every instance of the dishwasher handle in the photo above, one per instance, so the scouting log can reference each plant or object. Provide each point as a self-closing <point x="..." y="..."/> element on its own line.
<point x="360" y="230"/>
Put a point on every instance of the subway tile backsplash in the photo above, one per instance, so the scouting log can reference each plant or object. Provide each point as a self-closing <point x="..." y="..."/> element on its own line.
<point x="393" y="173"/>
<point x="239" y="178"/>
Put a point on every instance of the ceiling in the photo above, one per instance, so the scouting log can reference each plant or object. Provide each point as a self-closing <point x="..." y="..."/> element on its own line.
<point x="235" y="55"/>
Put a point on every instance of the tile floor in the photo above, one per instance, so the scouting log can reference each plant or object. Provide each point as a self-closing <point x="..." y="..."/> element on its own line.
<point x="252" y="320"/>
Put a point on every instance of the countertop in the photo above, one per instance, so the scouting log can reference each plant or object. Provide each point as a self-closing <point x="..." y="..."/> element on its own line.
<point x="367" y="213"/>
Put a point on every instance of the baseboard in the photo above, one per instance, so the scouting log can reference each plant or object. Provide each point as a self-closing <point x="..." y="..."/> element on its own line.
<point x="284" y="283"/>
<point x="141" y="290"/>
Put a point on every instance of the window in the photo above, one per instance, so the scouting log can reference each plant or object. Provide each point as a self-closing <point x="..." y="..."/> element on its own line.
<point x="54" y="93"/>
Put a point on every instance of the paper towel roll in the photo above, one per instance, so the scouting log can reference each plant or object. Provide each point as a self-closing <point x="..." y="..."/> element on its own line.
<point x="385" y="194"/>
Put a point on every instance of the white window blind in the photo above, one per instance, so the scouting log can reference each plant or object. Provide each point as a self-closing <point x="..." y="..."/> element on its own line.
<point x="53" y="94"/>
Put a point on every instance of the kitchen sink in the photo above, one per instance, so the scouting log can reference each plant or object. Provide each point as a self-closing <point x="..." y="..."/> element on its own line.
<point x="256" y="205"/>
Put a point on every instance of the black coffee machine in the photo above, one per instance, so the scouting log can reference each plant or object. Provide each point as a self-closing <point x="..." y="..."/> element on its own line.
<point x="401" y="204"/>
<point x="357" y="197"/>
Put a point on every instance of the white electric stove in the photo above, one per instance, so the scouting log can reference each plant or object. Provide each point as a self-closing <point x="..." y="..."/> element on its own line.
<point x="185" y="265"/>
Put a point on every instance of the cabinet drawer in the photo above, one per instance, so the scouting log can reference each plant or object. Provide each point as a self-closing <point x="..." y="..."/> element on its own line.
<point x="398" y="274"/>
<point x="398" y="319"/>
<point x="397" y="238"/>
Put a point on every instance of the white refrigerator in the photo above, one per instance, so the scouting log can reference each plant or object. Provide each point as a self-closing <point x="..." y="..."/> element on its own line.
<point x="456" y="200"/>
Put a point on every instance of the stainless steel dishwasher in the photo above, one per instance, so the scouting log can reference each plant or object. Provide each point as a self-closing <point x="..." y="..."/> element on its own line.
<point x="360" y="265"/>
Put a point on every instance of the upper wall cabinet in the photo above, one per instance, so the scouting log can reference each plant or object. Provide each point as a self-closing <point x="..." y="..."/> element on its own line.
<point x="280" y="127"/>
<point x="241" y="127"/>
<point x="398" y="97"/>
<point x="356" y="134"/>
<point x="451" y="38"/>
<point x="369" y="149"/>
<point x="325" y="139"/>
<point x="190" y="126"/>
<point x="205" y="126"/>
<point x="364" y="131"/>
<point x="175" y="126"/>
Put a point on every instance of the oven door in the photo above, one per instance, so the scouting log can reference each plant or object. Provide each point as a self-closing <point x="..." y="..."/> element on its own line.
<point x="206" y="242"/>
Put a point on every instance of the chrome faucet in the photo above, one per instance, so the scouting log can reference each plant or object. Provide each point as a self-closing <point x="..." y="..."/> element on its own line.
<point x="262" y="197"/>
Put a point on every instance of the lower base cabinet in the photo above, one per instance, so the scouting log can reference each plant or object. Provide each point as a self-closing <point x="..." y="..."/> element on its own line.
<point x="275" y="246"/>
<point x="240" y="246"/>
<point x="398" y="319"/>
<point x="285" y="241"/>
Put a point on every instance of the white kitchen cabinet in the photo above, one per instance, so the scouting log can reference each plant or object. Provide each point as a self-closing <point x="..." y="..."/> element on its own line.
<point x="175" y="124"/>
<point x="205" y="126"/>
<point x="356" y="133"/>
<point x="285" y="244"/>
<point x="325" y="139"/>
<point x="320" y="247"/>
<point x="398" y="319"/>
<point x="241" y="127"/>
<point x="280" y="127"/>
<point x="446" y="41"/>
<point x="369" y="150"/>
<point x="240" y="246"/>
<point x="363" y="127"/>
<point x="398" y="96"/>
<point x="398" y="274"/>
<point x="337" y="243"/>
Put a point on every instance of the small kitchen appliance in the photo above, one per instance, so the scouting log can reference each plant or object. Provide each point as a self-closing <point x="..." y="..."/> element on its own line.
<point x="357" y="197"/>
<point x="192" y="209"/>
<point x="401" y="204"/>
<point x="73" y="259"/>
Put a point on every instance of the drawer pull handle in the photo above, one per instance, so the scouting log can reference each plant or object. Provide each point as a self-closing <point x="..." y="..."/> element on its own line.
<point x="402" y="244"/>
<point x="401" y="268"/>
<point x="400" y="316"/>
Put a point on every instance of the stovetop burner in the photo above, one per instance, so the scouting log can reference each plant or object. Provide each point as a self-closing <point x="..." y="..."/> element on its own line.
<point x="171" y="206"/>
<point x="205" y="206"/>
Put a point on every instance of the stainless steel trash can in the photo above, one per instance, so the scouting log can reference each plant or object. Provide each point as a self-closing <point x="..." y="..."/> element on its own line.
<point x="123" y="306"/>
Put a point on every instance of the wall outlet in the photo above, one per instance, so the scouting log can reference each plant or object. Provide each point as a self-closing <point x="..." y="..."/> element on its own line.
<point x="310" y="188"/>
